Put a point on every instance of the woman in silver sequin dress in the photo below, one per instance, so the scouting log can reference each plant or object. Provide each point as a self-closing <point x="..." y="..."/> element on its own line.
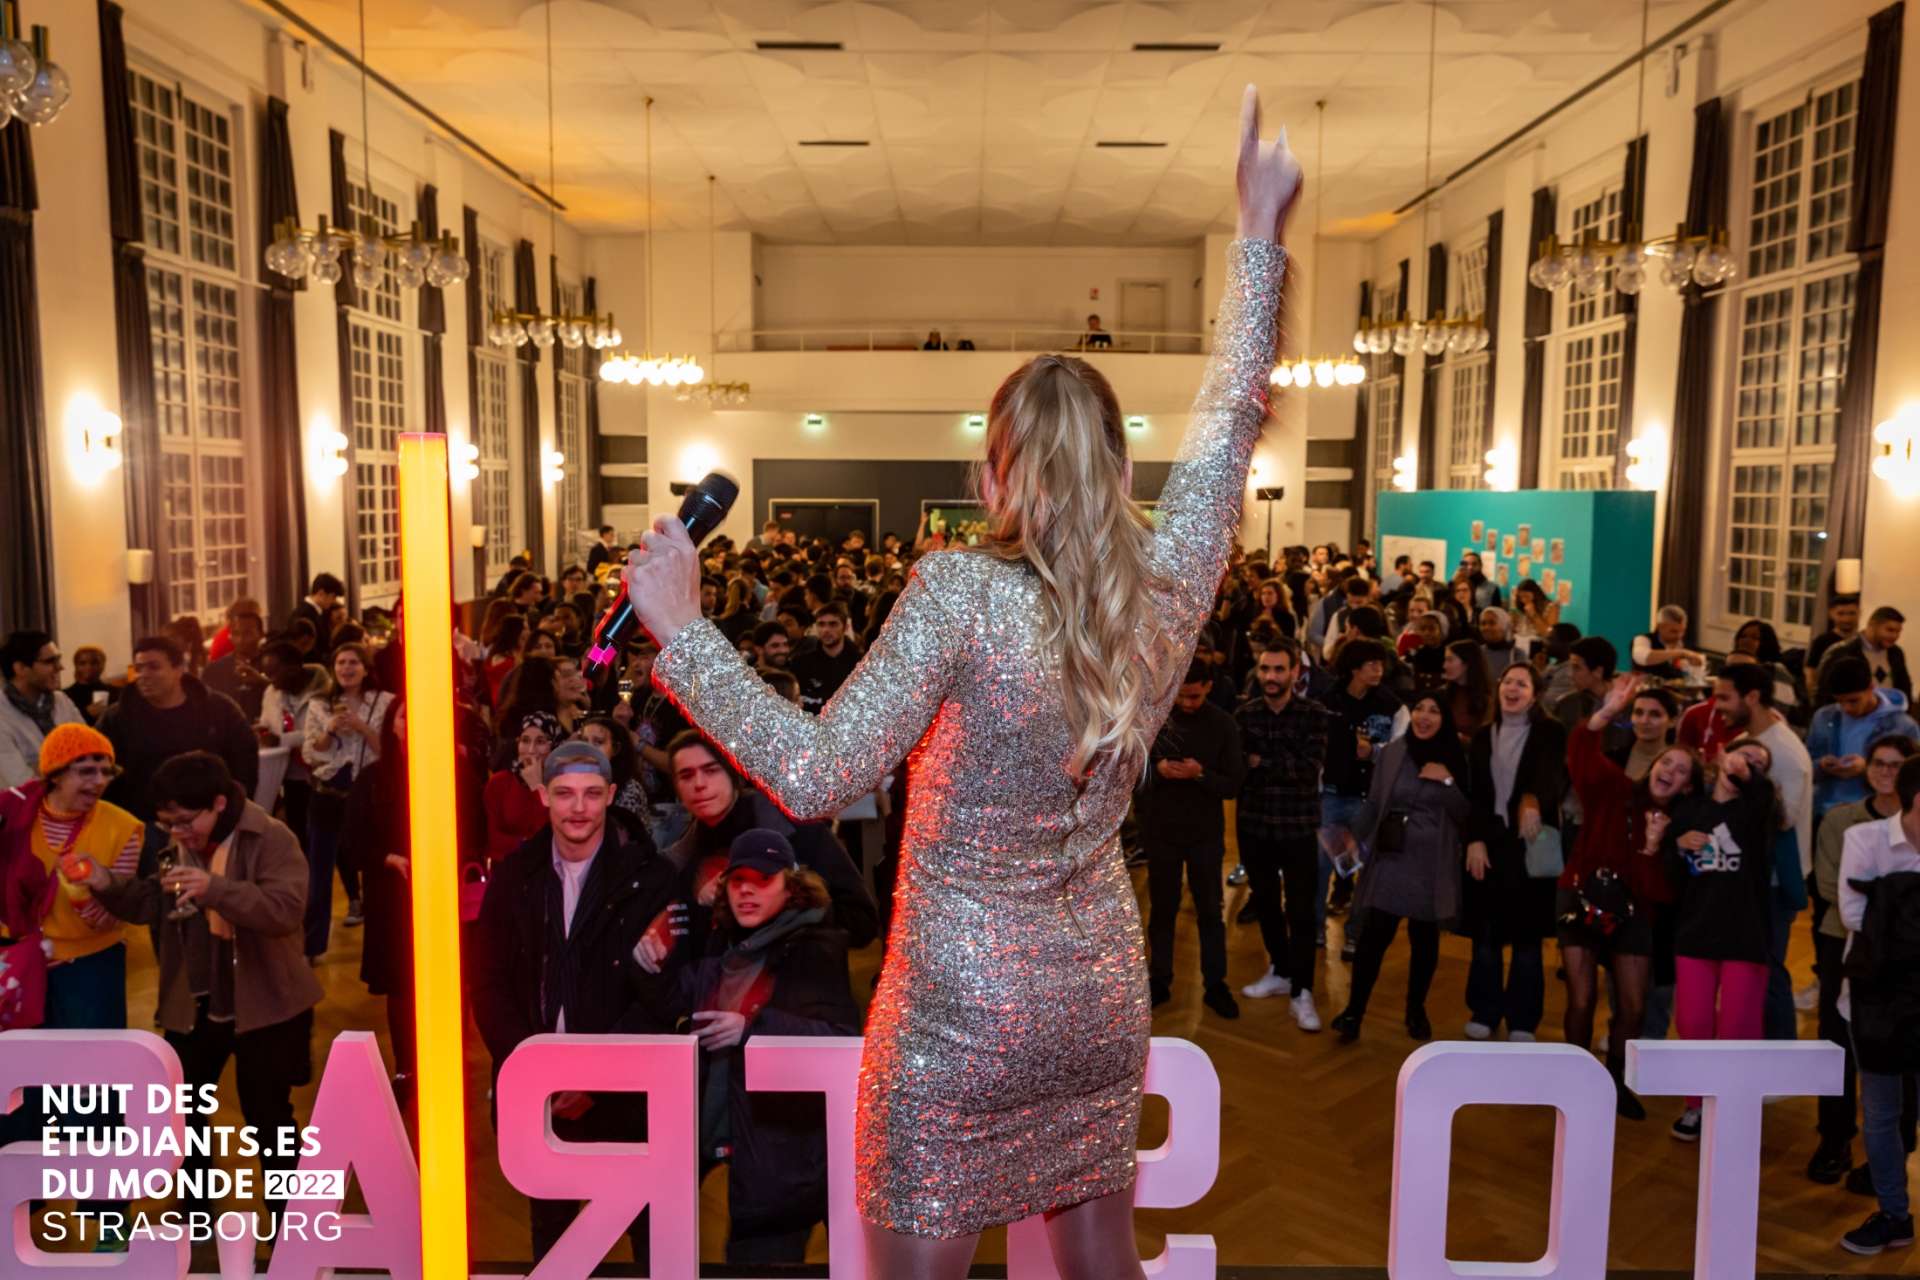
<point x="1008" y="1036"/>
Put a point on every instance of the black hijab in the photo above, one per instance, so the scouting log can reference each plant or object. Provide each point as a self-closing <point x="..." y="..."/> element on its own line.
<point x="1443" y="747"/>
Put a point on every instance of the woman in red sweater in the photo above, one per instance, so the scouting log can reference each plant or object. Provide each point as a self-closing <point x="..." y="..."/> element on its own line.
<point x="1607" y="893"/>
<point x="515" y="811"/>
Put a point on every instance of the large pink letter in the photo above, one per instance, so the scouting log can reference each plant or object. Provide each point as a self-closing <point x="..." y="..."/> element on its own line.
<point x="615" y="1179"/>
<point x="133" y="1058"/>
<point x="1436" y="1081"/>
<point x="359" y="1129"/>
<point x="828" y="1065"/>
<point x="1732" y="1077"/>
<point x="1173" y="1175"/>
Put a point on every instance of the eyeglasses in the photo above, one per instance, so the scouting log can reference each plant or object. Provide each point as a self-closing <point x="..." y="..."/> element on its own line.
<point x="180" y="824"/>
<point x="1885" y="764"/>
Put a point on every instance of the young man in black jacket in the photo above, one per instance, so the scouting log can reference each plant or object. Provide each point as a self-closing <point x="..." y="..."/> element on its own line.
<point x="1194" y="767"/>
<point x="559" y="927"/>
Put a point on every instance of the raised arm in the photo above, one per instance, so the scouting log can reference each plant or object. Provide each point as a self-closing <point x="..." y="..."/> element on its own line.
<point x="1200" y="504"/>
<point x="815" y="766"/>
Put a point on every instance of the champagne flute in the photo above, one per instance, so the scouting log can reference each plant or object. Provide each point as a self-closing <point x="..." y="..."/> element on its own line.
<point x="170" y="857"/>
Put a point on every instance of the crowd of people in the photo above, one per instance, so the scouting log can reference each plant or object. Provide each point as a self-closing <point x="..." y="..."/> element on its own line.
<point x="1387" y="745"/>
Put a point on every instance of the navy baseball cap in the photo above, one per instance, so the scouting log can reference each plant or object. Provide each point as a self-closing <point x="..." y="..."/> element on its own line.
<point x="761" y="850"/>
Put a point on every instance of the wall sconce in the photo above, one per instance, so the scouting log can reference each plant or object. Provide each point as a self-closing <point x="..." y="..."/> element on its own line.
<point x="466" y="463"/>
<point x="1406" y="475"/>
<point x="333" y="454"/>
<point x="478" y="535"/>
<point x="556" y="467"/>
<point x="976" y="422"/>
<point x="1648" y="470"/>
<point x="139" y="567"/>
<point x="1899" y="466"/>
<point x="1503" y="468"/>
<point x="815" y="421"/>
<point x="96" y="439"/>
<point x="1136" y="423"/>
<point x="1846" y="577"/>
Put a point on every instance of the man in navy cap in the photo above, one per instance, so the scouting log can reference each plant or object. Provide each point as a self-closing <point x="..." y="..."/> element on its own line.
<point x="562" y="918"/>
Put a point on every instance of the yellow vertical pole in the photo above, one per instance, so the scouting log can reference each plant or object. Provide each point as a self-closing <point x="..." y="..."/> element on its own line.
<point x="425" y="575"/>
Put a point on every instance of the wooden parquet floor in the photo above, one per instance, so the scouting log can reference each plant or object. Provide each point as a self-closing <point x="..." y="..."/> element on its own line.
<point x="1306" y="1135"/>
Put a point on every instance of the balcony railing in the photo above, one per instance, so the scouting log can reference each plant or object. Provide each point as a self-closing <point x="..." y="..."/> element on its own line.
<point x="966" y="337"/>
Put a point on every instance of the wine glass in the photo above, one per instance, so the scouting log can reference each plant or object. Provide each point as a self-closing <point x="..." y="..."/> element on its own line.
<point x="172" y="857"/>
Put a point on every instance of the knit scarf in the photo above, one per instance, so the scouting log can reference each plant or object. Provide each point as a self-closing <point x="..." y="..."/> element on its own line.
<point x="39" y="711"/>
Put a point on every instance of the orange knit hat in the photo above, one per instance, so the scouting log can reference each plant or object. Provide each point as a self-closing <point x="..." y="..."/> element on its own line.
<point x="69" y="742"/>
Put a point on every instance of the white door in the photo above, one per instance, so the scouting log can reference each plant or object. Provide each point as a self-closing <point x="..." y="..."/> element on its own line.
<point x="1143" y="310"/>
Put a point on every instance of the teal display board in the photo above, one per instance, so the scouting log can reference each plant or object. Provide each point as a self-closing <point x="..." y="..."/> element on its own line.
<point x="1594" y="549"/>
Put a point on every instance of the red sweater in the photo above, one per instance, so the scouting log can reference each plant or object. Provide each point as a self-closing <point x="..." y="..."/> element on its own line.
<point x="1613" y="822"/>
<point x="514" y="813"/>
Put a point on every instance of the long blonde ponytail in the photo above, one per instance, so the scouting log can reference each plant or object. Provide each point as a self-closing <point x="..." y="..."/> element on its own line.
<point x="1055" y="484"/>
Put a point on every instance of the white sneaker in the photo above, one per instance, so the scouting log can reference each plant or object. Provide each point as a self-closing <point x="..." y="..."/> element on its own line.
<point x="1270" y="985"/>
<point x="1807" y="998"/>
<point x="1520" y="1037"/>
<point x="1601" y="1045"/>
<point x="1478" y="1031"/>
<point x="1304" y="1013"/>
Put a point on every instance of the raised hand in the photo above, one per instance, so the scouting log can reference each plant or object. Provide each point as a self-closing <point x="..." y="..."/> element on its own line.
<point x="1268" y="177"/>
<point x="663" y="580"/>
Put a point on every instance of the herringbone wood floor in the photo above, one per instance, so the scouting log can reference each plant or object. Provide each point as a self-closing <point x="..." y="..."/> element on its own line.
<point x="1306" y="1136"/>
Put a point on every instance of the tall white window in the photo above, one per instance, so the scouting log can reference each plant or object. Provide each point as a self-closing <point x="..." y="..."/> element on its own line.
<point x="190" y="208"/>
<point x="493" y="421"/>
<point x="379" y="354"/>
<point x="1792" y="312"/>
<point x="1588" y="348"/>
<point x="571" y="438"/>
<point x="1383" y="394"/>
<point x="1466" y="379"/>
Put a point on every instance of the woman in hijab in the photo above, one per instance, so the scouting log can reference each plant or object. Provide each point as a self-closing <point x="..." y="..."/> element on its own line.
<point x="514" y="809"/>
<point x="1519" y="782"/>
<point x="1415" y="813"/>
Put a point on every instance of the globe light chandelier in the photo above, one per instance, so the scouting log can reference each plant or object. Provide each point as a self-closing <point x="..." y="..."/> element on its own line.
<point x="33" y="89"/>
<point x="324" y="253"/>
<point x="508" y="328"/>
<point x="1403" y="335"/>
<point x="1697" y="258"/>
<point x="655" y="371"/>
<point x="1319" y="371"/>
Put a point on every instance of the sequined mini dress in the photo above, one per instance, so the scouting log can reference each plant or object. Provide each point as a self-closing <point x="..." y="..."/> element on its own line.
<point x="1007" y="1040"/>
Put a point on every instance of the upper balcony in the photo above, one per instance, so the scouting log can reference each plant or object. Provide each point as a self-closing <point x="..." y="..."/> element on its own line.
<point x="965" y="336"/>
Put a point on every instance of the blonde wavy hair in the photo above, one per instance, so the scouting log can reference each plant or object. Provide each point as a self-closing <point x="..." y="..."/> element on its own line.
<point x="1055" y="484"/>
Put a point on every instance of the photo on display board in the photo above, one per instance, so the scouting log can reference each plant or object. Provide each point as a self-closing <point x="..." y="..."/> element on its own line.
<point x="1479" y="532"/>
<point x="1566" y="592"/>
<point x="1526" y="566"/>
<point x="1506" y="546"/>
<point x="1548" y="581"/>
<point x="1524" y="533"/>
<point x="1557" y="551"/>
<point x="1539" y="548"/>
<point x="1493" y="540"/>
<point x="1500" y="574"/>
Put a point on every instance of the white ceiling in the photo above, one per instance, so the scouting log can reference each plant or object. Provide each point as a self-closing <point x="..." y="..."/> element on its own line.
<point x="982" y="115"/>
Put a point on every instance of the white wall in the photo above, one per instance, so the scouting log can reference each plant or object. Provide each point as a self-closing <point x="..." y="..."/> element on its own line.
<point x="962" y="289"/>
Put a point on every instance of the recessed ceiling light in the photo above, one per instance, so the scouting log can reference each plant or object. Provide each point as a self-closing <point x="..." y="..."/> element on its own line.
<point x="1177" y="46"/>
<point x="800" y="46"/>
<point x="1126" y="144"/>
<point x="833" y="142"/>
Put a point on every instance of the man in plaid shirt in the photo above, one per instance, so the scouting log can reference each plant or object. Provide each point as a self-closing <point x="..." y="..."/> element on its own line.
<point x="1284" y="737"/>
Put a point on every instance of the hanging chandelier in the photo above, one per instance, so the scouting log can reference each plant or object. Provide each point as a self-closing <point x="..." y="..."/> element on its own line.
<point x="656" y="371"/>
<point x="323" y="254"/>
<point x="1700" y="258"/>
<point x="714" y="395"/>
<point x="507" y="328"/>
<point x="1318" y="371"/>
<point x="32" y="88"/>
<point x="1460" y="333"/>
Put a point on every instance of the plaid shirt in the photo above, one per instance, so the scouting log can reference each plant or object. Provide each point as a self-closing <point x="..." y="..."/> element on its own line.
<point x="1281" y="795"/>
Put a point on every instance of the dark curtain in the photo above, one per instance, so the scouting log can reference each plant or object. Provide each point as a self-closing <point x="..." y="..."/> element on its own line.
<point x="476" y="286"/>
<point x="591" y="302"/>
<point x="1536" y="324"/>
<point x="1496" y="225"/>
<point x="1400" y="361"/>
<point x="342" y="214"/>
<point x="285" y="528"/>
<point x="1363" y="478"/>
<point x="1688" y="454"/>
<point x="1633" y="210"/>
<point x="565" y="537"/>
<point x="26" y="567"/>
<point x="433" y="323"/>
<point x="1867" y="237"/>
<point x="1427" y="455"/>
<point x="526" y="297"/>
<point x="132" y="326"/>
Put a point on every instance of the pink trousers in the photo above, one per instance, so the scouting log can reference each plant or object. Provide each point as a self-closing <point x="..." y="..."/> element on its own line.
<point x="1718" y="1000"/>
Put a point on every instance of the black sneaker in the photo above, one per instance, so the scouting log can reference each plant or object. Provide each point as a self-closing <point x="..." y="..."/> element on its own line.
<point x="1161" y="993"/>
<point x="1347" y="1024"/>
<point x="1221" y="1001"/>
<point x="1860" y="1181"/>
<point x="1626" y="1103"/>
<point x="1687" y="1127"/>
<point x="1830" y="1163"/>
<point x="1879" y="1231"/>
<point x="1348" y="949"/>
<point x="1418" y="1027"/>
<point x="356" y="914"/>
<point x="1237" y="876"/>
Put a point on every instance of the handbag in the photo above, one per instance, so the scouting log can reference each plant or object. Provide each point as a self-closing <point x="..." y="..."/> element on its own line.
<point x="473" y="891"/>
<point x="1601" y="904"/>
<point x="1546" y="857"/>
<point x="1391" y="835"/>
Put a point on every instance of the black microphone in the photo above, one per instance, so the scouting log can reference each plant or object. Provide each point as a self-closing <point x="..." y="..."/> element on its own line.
<point x="701" y="511"/>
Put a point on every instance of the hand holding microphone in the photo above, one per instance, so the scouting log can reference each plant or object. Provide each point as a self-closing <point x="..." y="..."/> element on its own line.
<point x="660" y="586"/>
